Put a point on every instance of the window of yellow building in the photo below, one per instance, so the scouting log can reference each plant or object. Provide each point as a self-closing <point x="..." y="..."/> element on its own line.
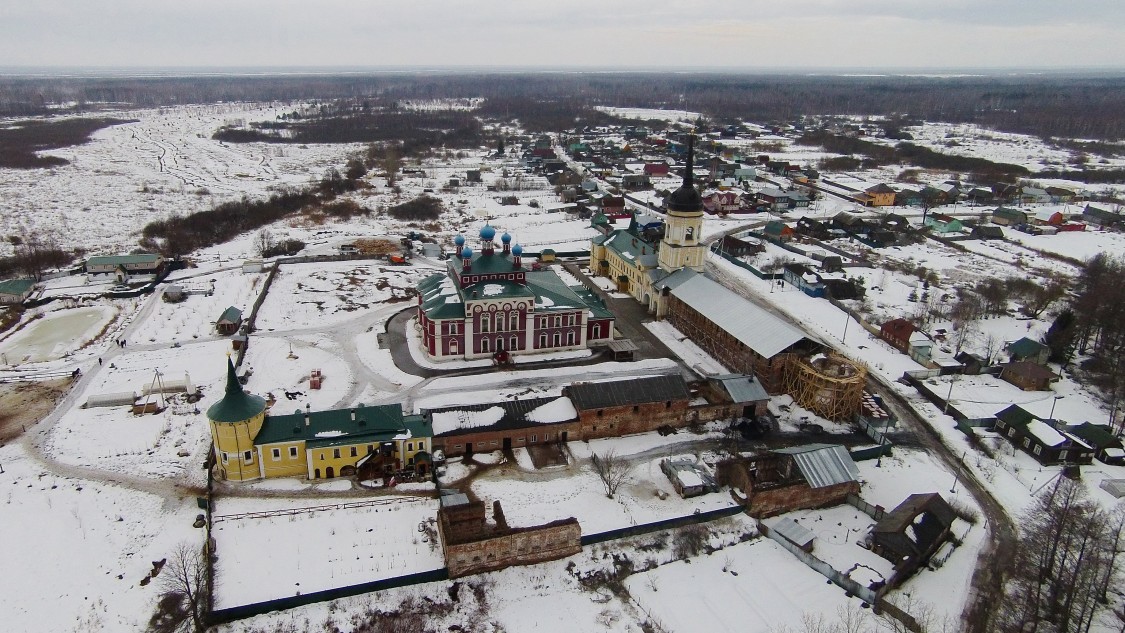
<point x="276" y="454"/>
<point x="292" y="451"/>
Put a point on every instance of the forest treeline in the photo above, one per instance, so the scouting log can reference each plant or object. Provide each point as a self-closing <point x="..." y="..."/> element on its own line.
<point x="19" y="143"/>
<point x="878" y="154"/>
<point x="1068" y="106"/>
<point x="418" y="132"/>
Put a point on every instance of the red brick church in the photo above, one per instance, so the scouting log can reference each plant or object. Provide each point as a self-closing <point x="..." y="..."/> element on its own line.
<point x="487" y="304"/>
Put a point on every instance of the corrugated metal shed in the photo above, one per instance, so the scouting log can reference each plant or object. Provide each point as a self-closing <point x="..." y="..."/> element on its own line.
<point x="823" y="464"/>
<point x="752" y="325"/>
<point x="795" y="533"/>
<point x="742" y="388"/>
<point x="601" y="395"/>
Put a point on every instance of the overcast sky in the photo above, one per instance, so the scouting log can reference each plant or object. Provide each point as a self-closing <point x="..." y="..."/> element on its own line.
<point x="754" y="34"/>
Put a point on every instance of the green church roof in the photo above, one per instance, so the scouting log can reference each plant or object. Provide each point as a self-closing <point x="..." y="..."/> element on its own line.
<point x="236" y="405"/>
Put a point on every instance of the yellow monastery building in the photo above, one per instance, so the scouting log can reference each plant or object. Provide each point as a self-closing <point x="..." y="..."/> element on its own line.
<point x="638" y="259"/>
<point x="367" y="442"/>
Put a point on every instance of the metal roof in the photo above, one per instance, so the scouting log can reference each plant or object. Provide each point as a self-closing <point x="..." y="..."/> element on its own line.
<point x="750" y="324"/>
<point x="236" y="405"/>
<point x="601" y="395"/>
<point x="742" y="388"/>
<point x="794" y="532"/>
<point x="823" y="464"/>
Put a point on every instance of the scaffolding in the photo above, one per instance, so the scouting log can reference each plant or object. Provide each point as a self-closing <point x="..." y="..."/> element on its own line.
<point x="830" y="386"/>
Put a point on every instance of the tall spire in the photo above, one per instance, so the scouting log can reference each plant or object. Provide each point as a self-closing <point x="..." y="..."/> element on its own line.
<point x="233" y="386"/>
<point x="686" y="199"/>
<point x="689" y="176"/>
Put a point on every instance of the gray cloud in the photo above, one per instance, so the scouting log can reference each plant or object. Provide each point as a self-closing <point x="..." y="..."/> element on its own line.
<point x="628" y="33"/>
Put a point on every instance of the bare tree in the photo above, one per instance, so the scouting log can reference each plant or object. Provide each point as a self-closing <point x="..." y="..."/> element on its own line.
<point x="265" y="242"/>
<point x="185" y="579"/>
<point x="612" y="470"/>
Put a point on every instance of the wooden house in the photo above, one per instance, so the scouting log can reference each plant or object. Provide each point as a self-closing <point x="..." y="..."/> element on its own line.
<point x="1108" y="448"/>
<point x="1028" y="349"/>
<point x="1028" y="376"/>
<point x="229" y="321"/>
<point x="897" y="332"/>
<point x="881" y="195"/>
<point x="1006" y="216"/>
<point x="15" y="291"/>
<point x="943" y="223"/>
<point x="1041" y="440"/>
<point x="778" y="231"/>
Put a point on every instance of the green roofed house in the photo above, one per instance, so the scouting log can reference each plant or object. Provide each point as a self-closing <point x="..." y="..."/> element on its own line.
<point x="365" y="441"/>
<point x="13" y="291"/>
<point x="229" y="321"/>
<point x="1039" y="439"/>
<point x="1028" y="349"/>
<point x="1107" y="446"/>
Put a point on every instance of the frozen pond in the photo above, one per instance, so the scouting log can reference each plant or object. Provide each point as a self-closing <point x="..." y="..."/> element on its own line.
<point x="56" y="335"/>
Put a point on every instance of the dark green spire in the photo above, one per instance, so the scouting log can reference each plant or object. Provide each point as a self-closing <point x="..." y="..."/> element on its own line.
<point x="236" y="405"/>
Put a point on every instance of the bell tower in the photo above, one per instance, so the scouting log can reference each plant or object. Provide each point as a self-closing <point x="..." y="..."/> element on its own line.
<point x="683" y="225"/>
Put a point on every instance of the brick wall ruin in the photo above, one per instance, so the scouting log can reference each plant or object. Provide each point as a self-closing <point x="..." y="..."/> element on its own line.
<point x="471" y="546"/>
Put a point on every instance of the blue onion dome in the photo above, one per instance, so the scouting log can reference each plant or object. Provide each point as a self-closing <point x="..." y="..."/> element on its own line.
<point x="505" y="238"/>
<point x="466" y="252"/>
<point x="459" y="241"/>
<point x="517" y="250"/>
<point x="487" y="233"/>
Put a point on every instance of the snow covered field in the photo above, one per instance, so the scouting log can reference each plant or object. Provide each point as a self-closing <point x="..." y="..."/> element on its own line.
<point x="288" y="554"/>
<point x="165" y="163"/>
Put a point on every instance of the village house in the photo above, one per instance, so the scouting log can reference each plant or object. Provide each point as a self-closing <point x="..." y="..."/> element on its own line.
<point x="229" y="321"/>
<point x="789" y="479"/>
<point x="249" y="444"/>
<point x="943" y="224"/>
<point x="897" y="332"/>
<point x="1034" y="195"/>
<point x="778" y="231"/>
<point x="1041" y="440"/>
<point x="1028" y="375"/>
<point x="1102" y="217"/>
<point x="1005" y="216"/>
<point x="1028" y="349"/>
<point x="15" y="291"/>
<point x="1108" y="448"/>
<point x="880" y="195"/>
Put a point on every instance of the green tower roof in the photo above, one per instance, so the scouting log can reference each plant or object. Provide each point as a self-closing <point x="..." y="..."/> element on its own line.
<point x="236" y="405"/>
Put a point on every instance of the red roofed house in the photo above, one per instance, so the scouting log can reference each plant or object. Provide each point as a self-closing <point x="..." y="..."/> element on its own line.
<point x="897" y="332"/>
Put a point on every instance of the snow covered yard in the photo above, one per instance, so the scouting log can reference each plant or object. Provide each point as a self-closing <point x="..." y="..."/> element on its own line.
<point x="286" y="554"/>
<point x="283" y="364"/>
<point x="329" y="293"/>
<point x="162" y="445"/>
<point x="195" y="316"/>
<point x="539" y="497"/>
<point x="752" y="587"/>
<point x="77" y="550"/>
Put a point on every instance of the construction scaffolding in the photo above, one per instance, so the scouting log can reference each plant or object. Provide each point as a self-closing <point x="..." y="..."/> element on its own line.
<point x="830" y="386"/>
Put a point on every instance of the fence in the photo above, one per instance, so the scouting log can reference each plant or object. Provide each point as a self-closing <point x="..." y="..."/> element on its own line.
<point x="656" y="526"/>
<point x="222" y="616"/>
<point x="254" y="313"/>
<point x="857" y="502"/>
<point x="738" y="262"/>
<point x="852" y="587"/>
<point x="331" y="506"/>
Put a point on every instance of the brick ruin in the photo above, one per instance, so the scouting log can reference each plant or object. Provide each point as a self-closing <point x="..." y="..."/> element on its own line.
<point x="773" y="485"/>
<point x="473" y="546"/>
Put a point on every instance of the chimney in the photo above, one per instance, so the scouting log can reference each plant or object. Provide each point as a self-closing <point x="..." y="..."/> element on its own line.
<point x="308" y="410"/>
<point x="353" y="414"/>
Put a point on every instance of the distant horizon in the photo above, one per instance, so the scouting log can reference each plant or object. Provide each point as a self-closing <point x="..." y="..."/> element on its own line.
<point x="187" y="70"/>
